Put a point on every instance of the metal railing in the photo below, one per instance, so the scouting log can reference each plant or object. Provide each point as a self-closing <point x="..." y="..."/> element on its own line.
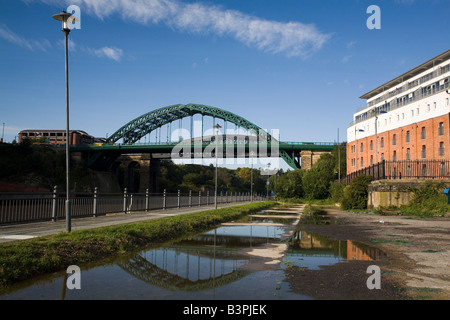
<point x="29" y="207"/>
<point x="393" y="105"/>
<point x="404" y="169"/>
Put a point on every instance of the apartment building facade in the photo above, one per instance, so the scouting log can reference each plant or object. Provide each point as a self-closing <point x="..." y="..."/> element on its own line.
<point x="405" y="119"/>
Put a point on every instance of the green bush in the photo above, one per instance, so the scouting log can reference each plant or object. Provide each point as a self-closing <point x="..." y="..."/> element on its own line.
<point x="316" y="181"/>
<point x="356" y="193"/>
<point x="427" y="200"/>
<point x="337" y="192"/>
<point x="289" y="185"/>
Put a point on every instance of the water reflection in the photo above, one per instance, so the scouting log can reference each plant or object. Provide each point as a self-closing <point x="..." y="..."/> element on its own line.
<point x="242" y="260"/>
<point x="314" y="250"/>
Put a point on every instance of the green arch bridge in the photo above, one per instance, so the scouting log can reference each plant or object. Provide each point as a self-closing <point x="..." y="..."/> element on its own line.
<point x="257" y="143"/>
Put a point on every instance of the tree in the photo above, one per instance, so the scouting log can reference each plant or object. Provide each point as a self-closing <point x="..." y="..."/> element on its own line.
<point x="289" y="185"/>
<point x="317" y="180"/>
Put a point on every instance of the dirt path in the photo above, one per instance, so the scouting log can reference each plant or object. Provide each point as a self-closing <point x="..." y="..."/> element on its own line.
<point x="416" y="265"/>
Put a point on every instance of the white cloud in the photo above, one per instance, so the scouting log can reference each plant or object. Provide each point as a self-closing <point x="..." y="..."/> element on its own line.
<point x="112" y="53"/>
<point x="108" y="52"/>
<point x="12" y="37"/>
<point x="289" y="38"/>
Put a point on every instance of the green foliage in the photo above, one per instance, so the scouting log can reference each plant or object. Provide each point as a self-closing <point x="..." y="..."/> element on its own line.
<point x="316" y="181"/>
<point x="42" y="164"/>
<point x="202" y="178"/>
<point x="337" y="192"/>
<point x="428" y="200"/>
<point x="356" y="193"/>
<point x="288" y="185"/>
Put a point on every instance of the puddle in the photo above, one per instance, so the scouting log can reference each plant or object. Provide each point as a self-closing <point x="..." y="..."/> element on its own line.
<point x="239" y="261"/>
<point x="312" y="251"/>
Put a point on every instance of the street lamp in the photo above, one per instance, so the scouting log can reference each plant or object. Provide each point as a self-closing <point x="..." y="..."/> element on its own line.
<point x="217" y="126"/>
<point x="251" y="177"/>
<point x="268" y="174"/>
<point x="64" y="18"/>
<point x="356" y="146"/>
<point x="376" y="133"/>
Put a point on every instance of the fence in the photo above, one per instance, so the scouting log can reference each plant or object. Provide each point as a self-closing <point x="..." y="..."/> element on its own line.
<point x="28" y="207"/>
<point x="404" y="169"/>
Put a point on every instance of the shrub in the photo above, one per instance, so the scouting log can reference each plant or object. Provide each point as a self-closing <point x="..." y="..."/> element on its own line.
<point x="427" y="200"/>
<point x="356" y="193"/>
<point x="337" y="192"/>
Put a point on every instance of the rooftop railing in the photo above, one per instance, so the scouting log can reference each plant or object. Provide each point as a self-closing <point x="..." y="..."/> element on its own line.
<point x="393" y="105"/>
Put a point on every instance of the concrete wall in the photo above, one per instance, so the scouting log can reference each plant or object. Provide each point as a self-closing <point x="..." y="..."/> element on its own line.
<point x="394" y="192"/>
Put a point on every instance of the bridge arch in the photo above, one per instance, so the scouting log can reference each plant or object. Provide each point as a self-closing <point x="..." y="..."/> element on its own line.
<point x="134" y="130"/>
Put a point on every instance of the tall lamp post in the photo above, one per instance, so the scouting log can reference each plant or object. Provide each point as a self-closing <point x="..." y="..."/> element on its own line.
<point x="376" y="133"/>
<point x="251" y="178"/>
<point x="356" y="146"/>
<point x="268" y="175"/>
<point x="64" y="18"/>
<point x="217" y="126"/>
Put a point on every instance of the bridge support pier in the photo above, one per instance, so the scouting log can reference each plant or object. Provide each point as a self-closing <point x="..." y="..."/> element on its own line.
<point x="141" y="173"/>
<point x="149" y="174"/>
<point x="310" y="157"/>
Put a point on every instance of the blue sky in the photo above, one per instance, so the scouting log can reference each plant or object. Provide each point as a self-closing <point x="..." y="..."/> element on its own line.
<point x="293" y="65"/>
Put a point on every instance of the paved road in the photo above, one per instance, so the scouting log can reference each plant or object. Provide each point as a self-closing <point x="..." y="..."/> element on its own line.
<point x="24" y="231"/>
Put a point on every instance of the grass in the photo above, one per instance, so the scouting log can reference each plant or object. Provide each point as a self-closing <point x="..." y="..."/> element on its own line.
<point x="26" y="259"/>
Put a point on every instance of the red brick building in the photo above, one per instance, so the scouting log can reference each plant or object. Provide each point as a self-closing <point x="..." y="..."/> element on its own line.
<point x="57" y="137"/>
<point x="405" y="119"/>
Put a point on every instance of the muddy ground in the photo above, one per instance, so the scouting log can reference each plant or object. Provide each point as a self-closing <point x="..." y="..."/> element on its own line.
<point x="416" y="264"/>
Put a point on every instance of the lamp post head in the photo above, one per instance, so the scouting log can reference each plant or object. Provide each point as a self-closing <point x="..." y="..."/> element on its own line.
<point x="66" y="18"/>
<point x="217" y="126"/>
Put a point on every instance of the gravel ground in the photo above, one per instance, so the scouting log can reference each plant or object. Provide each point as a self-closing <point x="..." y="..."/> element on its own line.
<point x="416" y="264"/>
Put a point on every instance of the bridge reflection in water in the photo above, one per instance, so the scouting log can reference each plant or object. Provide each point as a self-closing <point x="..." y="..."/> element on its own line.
<point x="219" y="257"/>
<point x="230" y="262"/>
<point x="204" y="262"/>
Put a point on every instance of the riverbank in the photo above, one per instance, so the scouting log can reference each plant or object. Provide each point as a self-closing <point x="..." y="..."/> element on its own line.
<point x="28" y="258"/>
<point x="416" y="264"/>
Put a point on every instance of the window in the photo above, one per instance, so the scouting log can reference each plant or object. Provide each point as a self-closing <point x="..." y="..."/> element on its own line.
<point x="408" y="136"/>
<point x="408" y="154"/>
<point x="417" y="111"/>
<point x="394" y="140"/>
<point x="371" y="160"/>
<point x="423" y="134"/>
<point x="371" y="145"/>
<point x="362" y="162"/>
<point x="394" y="156"/>
<point x="382" y="156"/>
<point x="362" y="147"/>
<point x="441" y="148"/>
<point x="408" y="171"/>
<point x="424" y="152"/>
<point x="382" y="143"/>
<point x="441" y="129"/>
